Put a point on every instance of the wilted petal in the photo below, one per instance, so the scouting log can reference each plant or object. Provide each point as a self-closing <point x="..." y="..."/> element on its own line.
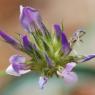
<point x="89" y="57"/>
<point x="8" y="38"/>
<point x="57" y="30"/>
<point x="70" y="78"/>
<point x="78" y="34"/>
<point x="65" y="44"/>
<point x="42" y="81"/>
<point x="31" y="20"/>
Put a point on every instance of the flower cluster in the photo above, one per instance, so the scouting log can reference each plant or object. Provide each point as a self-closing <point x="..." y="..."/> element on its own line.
<point x="50" y="52"/>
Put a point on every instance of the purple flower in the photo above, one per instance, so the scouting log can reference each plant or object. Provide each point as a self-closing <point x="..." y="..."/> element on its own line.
<point x="42" y="81"/>
<point x="17" y="66"/>
<point x="8" y="39"/>
<point x="89" y="57"/>
<point x="61" y="35"/>
<point x="67" y="74"/>
<point x="48" y="60"/>
<point x="57" y="30"/>
<point x="31" y="19"/>
<point x="65" y="44"/>
<point x="26" y="42"/>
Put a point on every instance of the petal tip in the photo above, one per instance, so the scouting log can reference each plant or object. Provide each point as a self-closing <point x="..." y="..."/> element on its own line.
<point x="21" y="8"/>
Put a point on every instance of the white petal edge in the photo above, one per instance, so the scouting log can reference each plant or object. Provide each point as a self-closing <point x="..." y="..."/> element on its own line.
<point x="24" y="71"/>
<point x="11" y="71"/>
<point x="21" y="10"/>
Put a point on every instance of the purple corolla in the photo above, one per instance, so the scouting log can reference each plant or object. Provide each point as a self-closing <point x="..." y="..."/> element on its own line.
<point x="9" y="39"/>
<point x="88" y="57"/>
<point x="17" y="66"/>
<point x="67" y="74"/>
<point x="31" y="20"/>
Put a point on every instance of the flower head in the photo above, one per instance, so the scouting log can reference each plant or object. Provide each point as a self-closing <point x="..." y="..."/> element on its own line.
<point x="47" y="50"/>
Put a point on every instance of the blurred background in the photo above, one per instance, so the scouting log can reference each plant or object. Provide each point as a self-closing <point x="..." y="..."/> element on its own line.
<point x="74" y="14"/>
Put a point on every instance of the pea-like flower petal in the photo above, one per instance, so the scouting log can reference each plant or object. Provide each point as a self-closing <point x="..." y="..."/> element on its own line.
<point x="70" y="78"/>
<point x="67" y="74"/>
<point x="69" y="67"/>
<point x="11" y="71"/>
<point x="17" y="66"/>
